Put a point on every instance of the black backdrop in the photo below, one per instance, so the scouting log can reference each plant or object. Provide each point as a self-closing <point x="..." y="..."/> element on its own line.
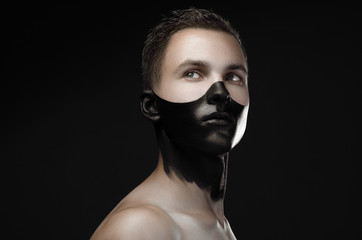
<point x="73" y="141"/>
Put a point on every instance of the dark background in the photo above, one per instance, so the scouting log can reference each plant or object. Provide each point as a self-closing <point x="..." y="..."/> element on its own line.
<point x="74" y="143"/>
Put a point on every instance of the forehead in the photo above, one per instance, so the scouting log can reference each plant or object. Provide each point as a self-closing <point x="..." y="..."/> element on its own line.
<point x="213" y="46"/>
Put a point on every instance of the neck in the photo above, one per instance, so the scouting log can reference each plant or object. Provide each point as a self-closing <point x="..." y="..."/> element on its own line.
<point x="208" y="172"/>
<point x="187" y="197"/>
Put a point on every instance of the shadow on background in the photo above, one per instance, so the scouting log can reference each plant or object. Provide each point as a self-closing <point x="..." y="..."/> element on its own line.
<point x="74" y="142"/>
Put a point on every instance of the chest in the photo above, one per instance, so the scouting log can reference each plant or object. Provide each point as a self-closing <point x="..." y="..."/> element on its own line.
<point x="203" y="229"/>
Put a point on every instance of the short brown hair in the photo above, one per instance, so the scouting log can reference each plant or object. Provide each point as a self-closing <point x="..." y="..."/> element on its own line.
<point x="158" y="38"/>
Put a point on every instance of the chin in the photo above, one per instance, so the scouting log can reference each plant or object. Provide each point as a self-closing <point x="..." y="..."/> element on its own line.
<point x="216" y="143"/>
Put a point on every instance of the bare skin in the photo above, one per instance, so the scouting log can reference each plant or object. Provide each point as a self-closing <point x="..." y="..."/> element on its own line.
<point x="163" y="206"/>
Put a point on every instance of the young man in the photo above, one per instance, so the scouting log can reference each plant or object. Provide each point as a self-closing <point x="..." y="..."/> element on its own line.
<point x="195" y="76"/>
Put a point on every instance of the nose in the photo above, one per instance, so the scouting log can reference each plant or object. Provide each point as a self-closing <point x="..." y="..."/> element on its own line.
<point x="218" y="94"/>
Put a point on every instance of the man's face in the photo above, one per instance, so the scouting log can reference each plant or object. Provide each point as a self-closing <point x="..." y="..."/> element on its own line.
<point x="201" y="71"/>
<point x="197" y="58"/>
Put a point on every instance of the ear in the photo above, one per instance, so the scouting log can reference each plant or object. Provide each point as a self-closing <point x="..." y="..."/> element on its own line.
<point x="148" y="105"/>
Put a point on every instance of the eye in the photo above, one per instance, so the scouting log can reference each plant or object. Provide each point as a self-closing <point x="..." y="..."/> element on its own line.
<point x="234" y="78"/>
<point x="192" y="75"/>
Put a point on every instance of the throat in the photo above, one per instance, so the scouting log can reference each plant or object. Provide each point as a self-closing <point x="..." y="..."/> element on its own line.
<point x="208" y="172"/>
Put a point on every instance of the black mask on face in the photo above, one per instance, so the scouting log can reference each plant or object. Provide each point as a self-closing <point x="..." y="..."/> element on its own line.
<point x="195" y="137"/>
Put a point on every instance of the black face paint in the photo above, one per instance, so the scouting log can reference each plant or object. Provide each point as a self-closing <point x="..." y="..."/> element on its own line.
<point x="195" y="137"/>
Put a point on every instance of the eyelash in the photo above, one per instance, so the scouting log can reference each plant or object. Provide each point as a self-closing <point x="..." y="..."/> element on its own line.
<point x="190" y="72"/>
<point x="235" y="75"/>
<point x="226" y="78"/>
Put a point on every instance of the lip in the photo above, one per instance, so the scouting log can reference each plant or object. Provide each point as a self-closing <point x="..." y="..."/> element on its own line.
<point x="219" y="118"/>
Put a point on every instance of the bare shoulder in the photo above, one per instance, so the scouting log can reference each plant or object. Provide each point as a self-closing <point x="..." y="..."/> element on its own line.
<point x="139" y="222"/>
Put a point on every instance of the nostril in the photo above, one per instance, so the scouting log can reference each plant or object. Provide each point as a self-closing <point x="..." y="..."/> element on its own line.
<point x="220" y="98"/>
<point x="218" y="94"/>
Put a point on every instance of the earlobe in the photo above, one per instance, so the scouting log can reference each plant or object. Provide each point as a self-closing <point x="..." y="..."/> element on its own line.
<point x="148" y="105"/>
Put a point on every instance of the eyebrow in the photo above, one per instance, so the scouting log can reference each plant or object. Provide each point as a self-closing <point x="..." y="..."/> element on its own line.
<point x="205" y="65"/>
<point x="192" y="63"/>
<point x="237" y="67"/>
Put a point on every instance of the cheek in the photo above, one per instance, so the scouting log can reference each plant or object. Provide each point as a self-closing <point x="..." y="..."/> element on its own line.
<point x="241" y="126"/>
<point x="238" y="94"/>
<point x="180" y="91"/>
